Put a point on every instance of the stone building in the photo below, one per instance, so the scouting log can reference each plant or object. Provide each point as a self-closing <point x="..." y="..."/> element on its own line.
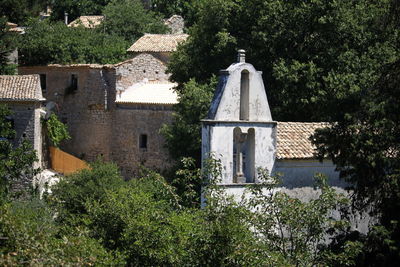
<point x="175" y="23"/>
<point x="23" y="95"/>
<point x="239" y="131"/>
<point x="89" y="22"/>
<point x="116" y="111"/>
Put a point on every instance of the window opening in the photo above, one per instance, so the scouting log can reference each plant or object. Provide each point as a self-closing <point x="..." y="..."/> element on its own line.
<point x="244" y="95"/>
<point x="243" y="156"/>
<point x="143" y="141"/>
<point x="74" y="82"/>
<point x="43" y="84"/>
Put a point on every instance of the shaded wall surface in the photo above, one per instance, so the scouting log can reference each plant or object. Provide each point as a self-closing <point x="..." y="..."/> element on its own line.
<point x="100" y="128"/>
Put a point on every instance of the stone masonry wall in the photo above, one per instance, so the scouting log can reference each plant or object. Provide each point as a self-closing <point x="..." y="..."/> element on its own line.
<point x="27" y="125"/>
<point x="86" y="111"/>
<point x="100" y="128"/>
<point x="130" y="121"/>
<point x="138" y="68"/>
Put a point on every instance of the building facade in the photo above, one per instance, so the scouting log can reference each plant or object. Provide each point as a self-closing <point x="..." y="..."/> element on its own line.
<point x="22" y="94"/>
<point x="115" y="112"/>
<point x="240" y="132"/>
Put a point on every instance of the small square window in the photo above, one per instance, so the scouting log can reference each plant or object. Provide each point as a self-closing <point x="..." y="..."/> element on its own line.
<point x="143" y="141"/>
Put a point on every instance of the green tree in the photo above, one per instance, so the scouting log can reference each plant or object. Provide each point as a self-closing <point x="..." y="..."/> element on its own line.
<point x="16" y="163"/>
<point x="183" y="136"/>
<point x="76" y="8"/>
<point x="56" y="130"/>
<point x="47" y="43"/>
<point x="30" y="236"/>
<point x="364" y="146"/>
<point x="316" y="56"/>
<point x="186" y="8"/>
<point x="129" y="19"/>
<point x="19" y="11"/>
<point x="7" y="45"/>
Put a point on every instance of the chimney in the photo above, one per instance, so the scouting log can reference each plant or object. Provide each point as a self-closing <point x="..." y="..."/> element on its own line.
<point x="66" y="18"/>
<point x="241" y="56"/>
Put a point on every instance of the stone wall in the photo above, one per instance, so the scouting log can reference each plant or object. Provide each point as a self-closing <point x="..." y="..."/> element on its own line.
<point x="26" y="116"/>
<point x="131" y="121"/>
<point x="98" y="127"/>
<point x="86" y="110"/>
<point x="142" y="66"/>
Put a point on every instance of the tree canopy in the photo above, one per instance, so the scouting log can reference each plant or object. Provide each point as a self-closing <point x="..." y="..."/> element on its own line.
<point x="129" y="19"/>
<point x="316" y="56"/>
<point x="46" y="42"/>
<point x="19" y="11"/>
<point x="16" y="161"/>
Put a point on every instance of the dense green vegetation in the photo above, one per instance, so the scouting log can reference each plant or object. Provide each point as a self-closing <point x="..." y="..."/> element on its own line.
<point x="130" y="20"/>
<point x="20" y="11"/>
<point x="55" y="43"/>
<point x="52" y="42"/>
<point x="16" y="163"/>
<point x="8" y="42"/>
<point x="96" y="217"/>
<point x="334" y="61"/>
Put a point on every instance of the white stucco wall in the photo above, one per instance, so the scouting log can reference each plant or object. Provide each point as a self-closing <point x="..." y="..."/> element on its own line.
<point x="218" y="140"/>
<point x="226" y="104"/>
<point x="300" y="173"/>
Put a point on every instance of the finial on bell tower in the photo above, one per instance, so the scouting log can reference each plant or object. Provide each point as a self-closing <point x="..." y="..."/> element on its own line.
<point x="241" y="56"/>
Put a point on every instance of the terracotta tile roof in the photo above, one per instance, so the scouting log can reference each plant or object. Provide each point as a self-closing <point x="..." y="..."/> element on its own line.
<point x="20" y="88"/>
<point x="14" y="28"/>
<point x="87" y="21"/>
<point x="11" y="25"/>
<point x="158" y="43"/>
<point x="293" y="139"/>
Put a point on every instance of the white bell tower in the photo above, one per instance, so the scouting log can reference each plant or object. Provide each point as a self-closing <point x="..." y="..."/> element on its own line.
<point x="239" y="129"/>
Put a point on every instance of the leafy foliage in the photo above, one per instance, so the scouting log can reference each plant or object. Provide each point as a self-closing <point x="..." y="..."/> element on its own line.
<point x="57" y="131"/>
<point x="72" y="193"/>
<point x="316" y="56"/>
<point x="7" y="45"/>
<point x="29" y="235"/>
<point x="16" y="162"/>
<point x="46" y="43"/>
<point x="364" y="145"/>
<point x="19" y="11"/>
<point x="129" y="19"/>
<point x="76" y="8"/>
<point x="183" y="136"/>
<point x="143" y="221"/>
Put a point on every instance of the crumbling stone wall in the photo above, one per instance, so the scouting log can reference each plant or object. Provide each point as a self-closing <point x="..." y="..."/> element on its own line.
<point x="142" y="66"/>
<point x="175" y="24"/>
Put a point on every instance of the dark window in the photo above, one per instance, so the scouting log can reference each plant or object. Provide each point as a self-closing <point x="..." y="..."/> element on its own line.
<point x="143" y="141"/>
<point x="43" y="83"/>
<point x="244" y="96"/>
<point x="74" y="82"/>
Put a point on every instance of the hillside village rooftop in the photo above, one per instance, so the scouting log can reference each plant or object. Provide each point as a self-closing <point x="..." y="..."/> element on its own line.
<point x="158" y="43"/>
<point x="21" y="88"/>
<point x="87" y="21"/>
<point x="293" y="139"/>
